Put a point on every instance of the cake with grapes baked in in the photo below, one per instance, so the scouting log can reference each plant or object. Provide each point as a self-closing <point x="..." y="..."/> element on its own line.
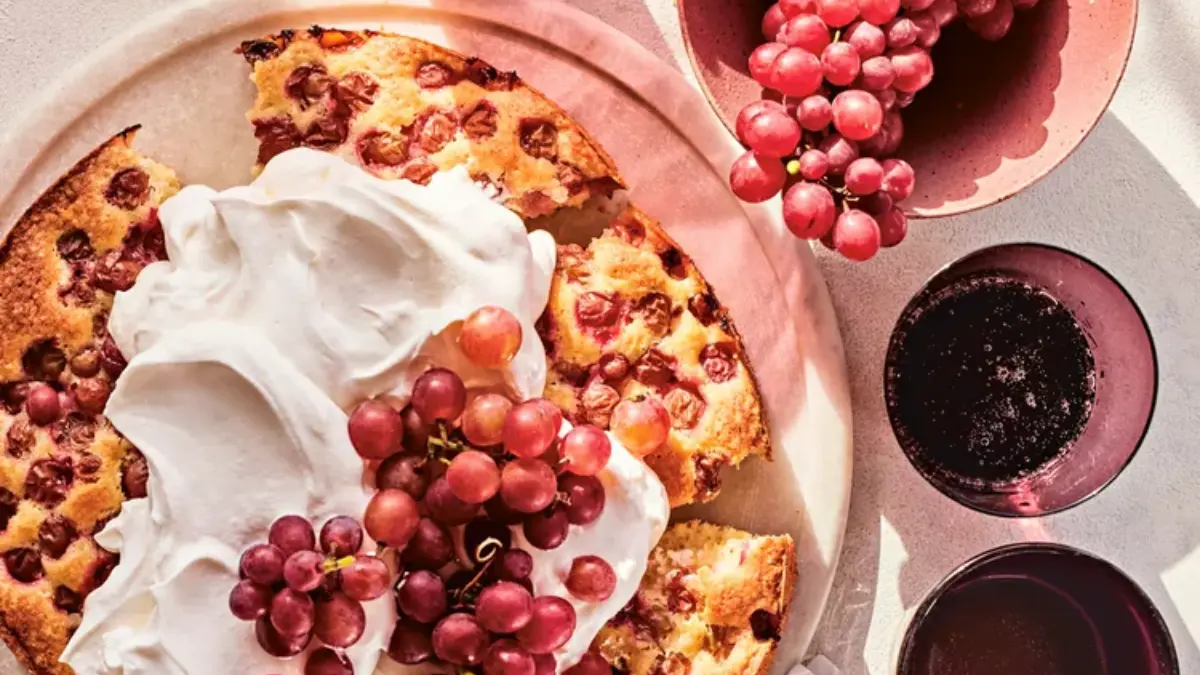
<point x="65" y="471"/>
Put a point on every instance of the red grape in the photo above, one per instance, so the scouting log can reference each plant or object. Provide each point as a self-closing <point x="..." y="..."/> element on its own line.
<point x="856" y="235"/>
<point x="808" y="210"/>
<point x="545" y="664"/>
<point x="864" y="176"/>
<point x="887" y="101"/>
<point x="1022" y="5"/>
<point x="263" y="564"/>
<point x="898" y="179"/>
<point x="403" y="472"/>
<point x="506" y="657"/>
<point x="878" y="12"/>
<point x="904" y="99"/>
<point x="917" y="5"/>
<point x="586" y="449"/>
<point x="857" y="114"/>
<point x="772" y="21"/>
<point x="340" y="620"/>
<point x="490" y="337"/>
<point x="341" y="536"/>
<point x="391" y="517"/>
<point x="42" y="404"/>
<point x="292" y="612"/>
<point x="893" y="227"/>
<point x="877" y="75"/>
<point x="276" y="644"/>
<point x="513" y="565"/>
<point x="641" y="425"/>
<point x="973" y="9"/>
<point x="754" y="110"/>
<point x="547" y="529"/>
<point x="303" y="572"/>
<point x="772" y="133"/>
<point x="416" y="431"/>
<point x="292" y="533"/>
<point x="815" y="113"/>
<point x="761" y="60"/>
<point x="840" y="151"/>
<point x="840" y="63"/>
<point x="793" y="8"/>
<point x="876" y="204"/>
<point x="893" y="128"/>
<point x="837" y="13"/>
<point x="458" y="639"/>
<point x="249" y="601"/>
<point x="943" y="11"/>
<point x="867" y="39"/>
<point x="430" y="548"/>
<point x="755" y="178"/>
<point x="585" y="498"/>
<point x="421" y="596"/>
<point x="995" y="24"/>
<point x="591" y="579"/>
<point x="504" y="607"/>
<point x="528" y="429"/>
<point x="376" y="430"/>
<point x="445" y="508"/>
<point x="501" y="512"/>
<point x="410" y="643"/>
<point x="827" y="240"/>
<point x="473" y="476"/>
<point x="813" y="166"/>
<point x="914" y="69"/>
<point x="552" y="624"/>
<point x="805" y="31"/>
<point x="591" y="664"/>
<point x="795" y="72"/>
<point x="366" y="578"/>
<point x="527" y="485"/>
<point x="901" y="33"/>
<point x="928" y="30"/>
<point x="325" y="661"/>
<point x="439" y="394"/>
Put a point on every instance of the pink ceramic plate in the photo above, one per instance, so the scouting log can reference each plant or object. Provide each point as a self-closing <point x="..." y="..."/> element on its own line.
<point x="191" y="92"/>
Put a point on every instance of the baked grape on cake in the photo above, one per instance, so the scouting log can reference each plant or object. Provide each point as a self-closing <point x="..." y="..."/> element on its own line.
<point x="713" y="602"/>
<point x="405" y="108"/>
<point x="65" y="471"/>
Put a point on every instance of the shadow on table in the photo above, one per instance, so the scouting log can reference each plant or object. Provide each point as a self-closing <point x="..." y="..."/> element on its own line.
<point x="1129" y="215"/>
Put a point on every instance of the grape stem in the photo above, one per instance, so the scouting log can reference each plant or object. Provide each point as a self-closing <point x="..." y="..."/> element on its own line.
<point x="331" y="565"/>
<point x="443" y="443"/>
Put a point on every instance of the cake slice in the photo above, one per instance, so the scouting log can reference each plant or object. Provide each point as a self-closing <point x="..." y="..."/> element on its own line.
<point x="630" y="315"/>
<point x="713" y="602"/>
<point x="64" y="471"/>
<point x="405" y="108"/>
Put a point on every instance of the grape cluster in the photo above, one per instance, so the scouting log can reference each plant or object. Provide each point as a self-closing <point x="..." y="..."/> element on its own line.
<point x="845" y="70"/>
<point x="297" y="586"/>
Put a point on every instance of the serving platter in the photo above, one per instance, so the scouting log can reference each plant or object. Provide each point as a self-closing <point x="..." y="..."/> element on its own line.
<point x="177" y="75"/>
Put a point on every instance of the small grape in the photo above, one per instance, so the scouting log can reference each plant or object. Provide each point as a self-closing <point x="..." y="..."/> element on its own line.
<point x="504" y="607"/>
<point x="840" y="151"/>
<point x="840" y="63"/>
<point x="445" y="508"/>
<point x="484" y="539"/>
<point x="901" y="32"/>
<point x="366" y="578"/>
<point x="458" y="639"/>
<point x="754" y="110"/>
<point x="430" y="548"/>
<point x="276" y="644"/>
<point x="641" y="425"/>
<point x="410" y="643"/>
<point x="877" y="74"/>
<point x="943" y="11"/>
<point x="590" y="664"/>
<point x="403" y="472"/>
<point x="340" y="620"/>
<point x="914" y="69"/>
<point x="876" y="204"/>
<point x="904" y="99"/>
<point x="325" y="661"/>
<point x="815" y="113"/>
<point x="772" y="21"/>
<point x="292" y="612"/>
<point x="878" y="12"/>
<point x="805" y="31"/>
<point x="545" y="664"/>
<point x="917" y="5"/>
<point x="755" y="178"/>
<point x="341" y="536"/>
<point x="793" y="8"/>
<point x="995" y="24"/>
<point x="866" y="38"/>
<point x="761" y="60"/>
<point x="506" y="657"/>
<point x="42" y="404"/>
<point x="416" y="432"/>
<point x="973" y="9"/>
<point x="813" y="165"/>
<point x="292" y="533"/>
<point x="1024" y="5"/>
<point x="528" y="430"/>
<point x="548" y="529"/>
<point x="837" y="13"/>
<point x="864" y="176"/>
<point x="473" y="476"/>
<point x="391" y="517"/>
<point x="893" y="227"/>
<point x="263" y="564"/>
<point x="795" y="72"/>
<point x="808" y="210"/>
<point x="551" y="626"/>
<point x="249" y="601"/>
<point x="586" y="449"/>
<point x="513" y="565"/>
<point x="893" y="129"/>
<point x="856" y="235"/>
<point x="591" y="579"/>
<point x="898" y="179"/>
<point x="303" y="572"/>
<point x="421" y="596"/>
<point x="439" y="394"/>
<point x="585" y="498"/>
<point x="857" y="114"/>
<point x="376" y="430"/>
<point x="527" y="485"/>
<point x="928" y="30"/>
<point x="490" y="337"/>
<point x="887" y="101"/>
<point x="772" y="133"/>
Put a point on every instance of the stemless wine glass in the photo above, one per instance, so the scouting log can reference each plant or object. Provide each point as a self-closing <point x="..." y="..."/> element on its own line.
<point x="1125" y="377"/>
<point x="1037" y="609"/>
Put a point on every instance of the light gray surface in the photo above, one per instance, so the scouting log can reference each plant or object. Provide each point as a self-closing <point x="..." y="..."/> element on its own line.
<point x="1128" y="199"/>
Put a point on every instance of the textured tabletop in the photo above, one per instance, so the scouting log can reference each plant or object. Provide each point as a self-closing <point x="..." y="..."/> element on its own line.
<point x="1128" y="199"/>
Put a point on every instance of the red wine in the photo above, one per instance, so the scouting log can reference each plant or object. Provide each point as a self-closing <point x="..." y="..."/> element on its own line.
<point x="989" y="381"/>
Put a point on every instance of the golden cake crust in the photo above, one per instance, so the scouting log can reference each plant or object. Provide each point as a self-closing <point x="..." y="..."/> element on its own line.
<point x="406" y="108"/>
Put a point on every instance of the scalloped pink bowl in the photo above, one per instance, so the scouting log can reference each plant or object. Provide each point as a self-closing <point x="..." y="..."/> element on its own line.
<point x="997" y="116"/>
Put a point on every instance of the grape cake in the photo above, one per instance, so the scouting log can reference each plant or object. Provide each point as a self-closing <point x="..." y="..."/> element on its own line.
<point x="475" y="495"/>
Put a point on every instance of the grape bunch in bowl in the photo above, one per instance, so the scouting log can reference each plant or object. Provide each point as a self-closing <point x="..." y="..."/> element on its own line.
<point x="837" y="75"/>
